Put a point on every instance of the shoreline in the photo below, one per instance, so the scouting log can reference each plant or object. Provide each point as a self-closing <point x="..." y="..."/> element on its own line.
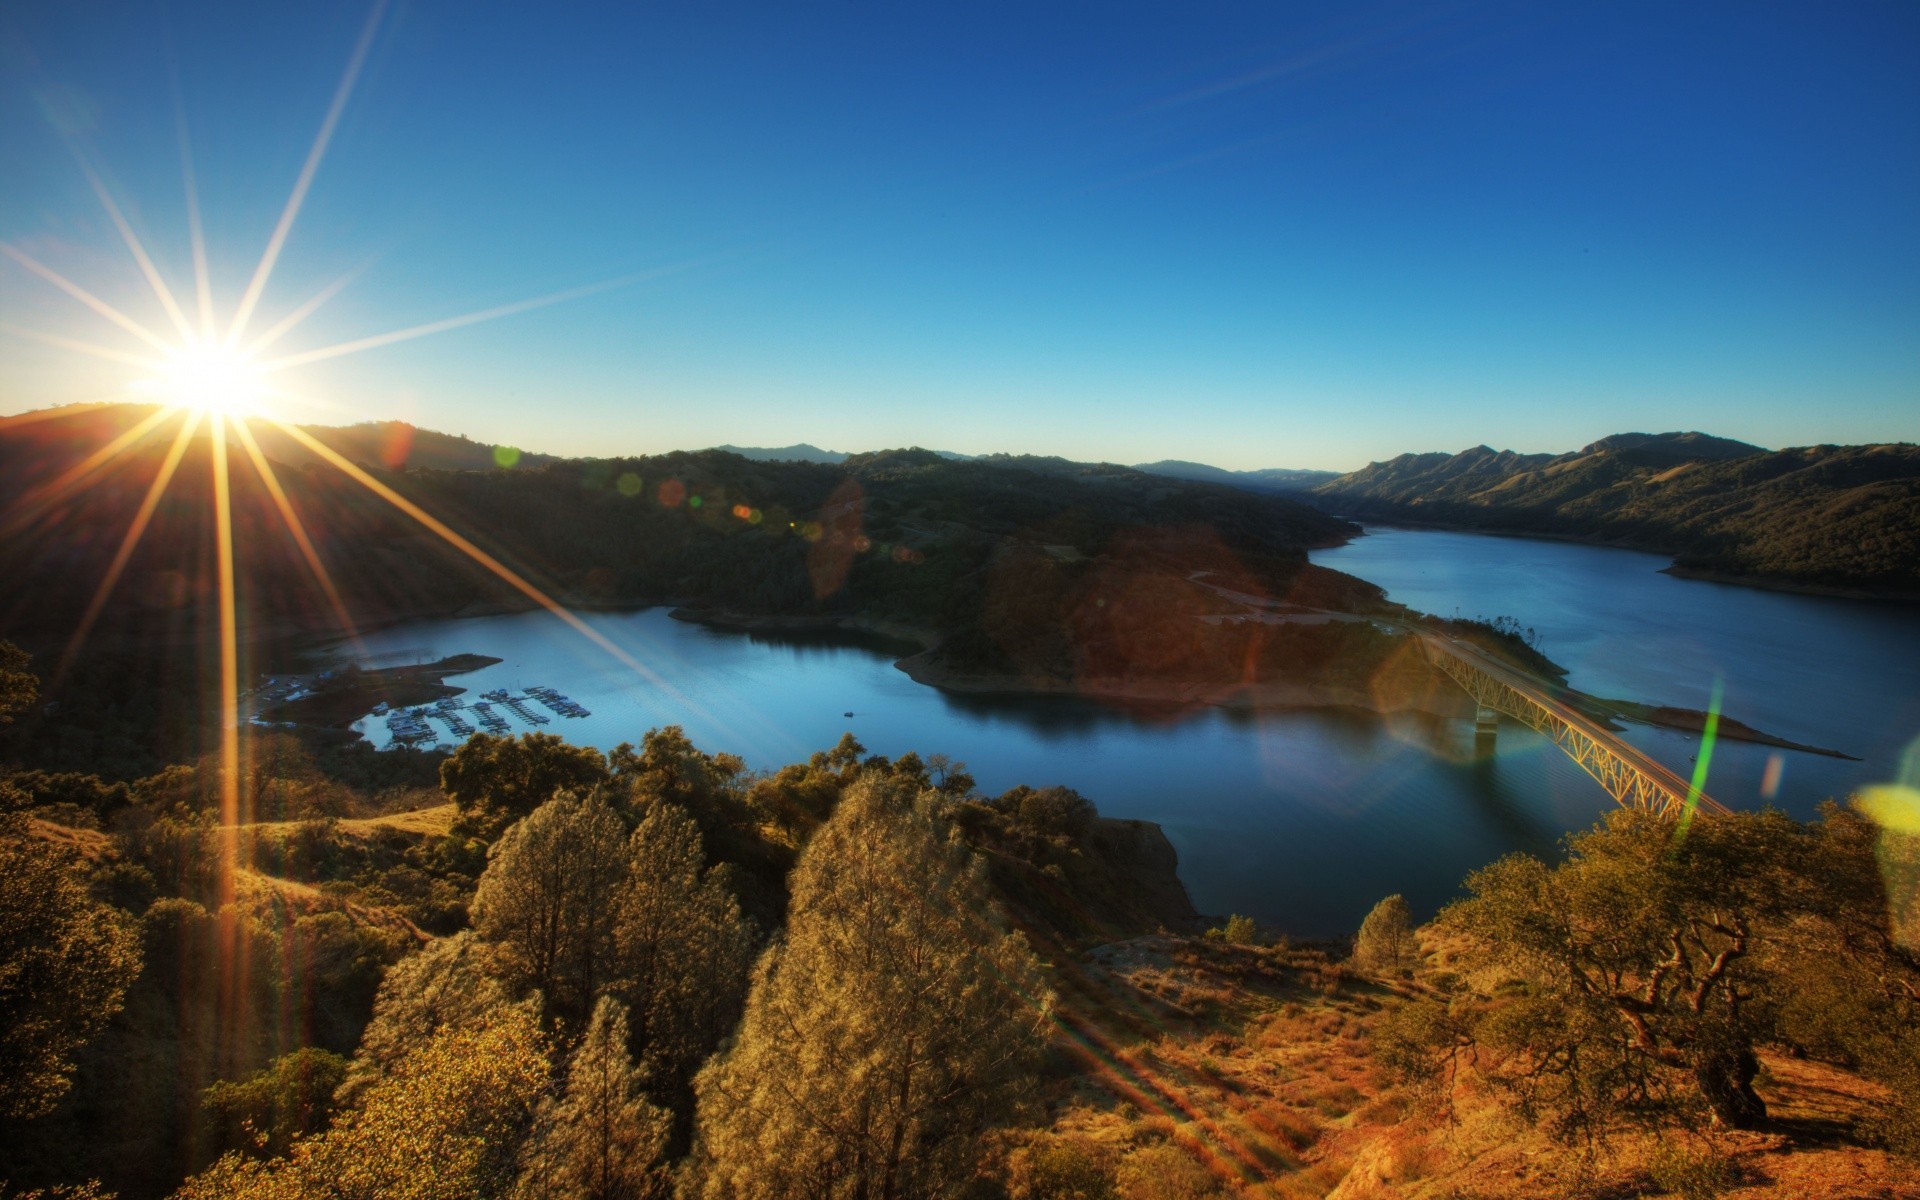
<point x="1762" y="583"/>
<point x="1405" y="689"/>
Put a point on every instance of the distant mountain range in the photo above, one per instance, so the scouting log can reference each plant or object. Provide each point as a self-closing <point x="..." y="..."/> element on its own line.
<point x="807" y="452"/>
<point x="1269" y="479"/>
<point x="1843" y="518"/>
<point x="1818" y="517"/>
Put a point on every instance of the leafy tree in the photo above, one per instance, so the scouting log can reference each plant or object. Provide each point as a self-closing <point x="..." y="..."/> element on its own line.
<point x="1238" y="931"/>
<point x="684" y="948"/>
<point x="446" y="1123"/>
<point x="602" y="1139"/>
<point x="671" y="769"/>
<point x="1630" y="978"/>
<point x="495" y="781"/>
<point x="668" y="769"/>
<point x="1385" y="941"/>
<point x="290" y="1098"/>
<point x="449" y="983"/>
<point x="548" y="898"/>
<point x="892" y="1028"/>
<point x="66" y="961"/>
<point x="18" y="686"/>
<point x="1058" y="812"/>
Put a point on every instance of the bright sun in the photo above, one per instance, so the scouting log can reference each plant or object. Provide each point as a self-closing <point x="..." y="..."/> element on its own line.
<point x="211" y="377"/>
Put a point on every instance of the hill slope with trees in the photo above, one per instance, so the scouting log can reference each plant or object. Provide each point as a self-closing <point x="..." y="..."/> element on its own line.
<point x="1819" y="517"/>
<point x="984" y="554"/>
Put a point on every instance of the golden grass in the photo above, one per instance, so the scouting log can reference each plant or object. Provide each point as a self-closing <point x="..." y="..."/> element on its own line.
<point x="1246" y="1063"/>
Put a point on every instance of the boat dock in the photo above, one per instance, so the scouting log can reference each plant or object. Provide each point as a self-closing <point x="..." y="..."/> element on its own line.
<point x="410" y="726"/>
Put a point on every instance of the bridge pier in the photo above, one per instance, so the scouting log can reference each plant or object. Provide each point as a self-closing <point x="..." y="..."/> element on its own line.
<point x="1486" y="726"/>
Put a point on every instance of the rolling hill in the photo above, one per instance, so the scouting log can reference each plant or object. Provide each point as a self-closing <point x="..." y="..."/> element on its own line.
<point x="1839" y="518"/>
<point x="1267" y="479"/>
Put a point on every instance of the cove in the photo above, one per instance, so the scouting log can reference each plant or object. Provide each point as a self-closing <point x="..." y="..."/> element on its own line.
<point x="1302" y="819"/>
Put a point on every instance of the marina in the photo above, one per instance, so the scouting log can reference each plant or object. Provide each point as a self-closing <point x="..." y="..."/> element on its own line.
<point x="412" y="727"/>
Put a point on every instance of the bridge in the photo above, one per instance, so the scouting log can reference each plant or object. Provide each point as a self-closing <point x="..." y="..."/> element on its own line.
<point x="1630" y="777"/>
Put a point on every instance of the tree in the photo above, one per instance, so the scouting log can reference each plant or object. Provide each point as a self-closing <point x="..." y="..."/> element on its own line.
<point x="1385" y="941"/>
<point x="672" y="769"/>
<point x="446" y="1123"/>
<point x="289" y="1098"/>
<point x="1628" y="977"/>
<point x="894" y="1026"/>
<point x="495" y="781"/>
<point x="548" y="899"/>
<point x="685" y="950"/>
<point x="449" y="983"/>
<point x="603" y="1139"/>
<point x="66" y="961"/>
<point x="18" y="686"/>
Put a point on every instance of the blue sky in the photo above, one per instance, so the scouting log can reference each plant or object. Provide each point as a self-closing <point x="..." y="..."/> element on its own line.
<point x="1250" y="234"/>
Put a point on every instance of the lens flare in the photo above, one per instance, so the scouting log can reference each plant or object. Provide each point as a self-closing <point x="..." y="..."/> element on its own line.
<point x="208" y="377"/>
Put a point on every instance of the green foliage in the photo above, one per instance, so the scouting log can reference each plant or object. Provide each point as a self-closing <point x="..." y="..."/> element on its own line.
<point x="450" y="983"/>
<point x="289" y="1098"/>
<point x="1702" y="1174"/>
<point x="495" y="781"/>
<point x="18" y="685"/>
<point x="548" y="899"/>
<point x="445" y="1124"/>
<point x="1636" y="978"/>
<point x="890" y="1030"/>
<point x="602" y="1139"/>
<point x="1845" y="516"/>
<point x="683" y="948"/>
<point x="1053" y="1167"/>
<point x="65" y="963"/>
<point x="1385" y="941"/>
<point x="669" y="769"/>
<point x="72" y="798"/>
<point x="1057" y="812"/>
<point x="1165" y="1171"/>
<point x="1238" y="931"/>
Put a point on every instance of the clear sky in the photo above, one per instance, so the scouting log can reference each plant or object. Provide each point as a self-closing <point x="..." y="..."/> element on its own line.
<point x="1252" y="234"/>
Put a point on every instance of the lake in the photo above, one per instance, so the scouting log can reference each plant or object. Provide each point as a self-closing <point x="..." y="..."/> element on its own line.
<point x="1300" y="819"/>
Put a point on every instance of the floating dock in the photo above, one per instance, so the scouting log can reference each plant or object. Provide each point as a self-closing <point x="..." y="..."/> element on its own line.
<point x="410" y="727"/>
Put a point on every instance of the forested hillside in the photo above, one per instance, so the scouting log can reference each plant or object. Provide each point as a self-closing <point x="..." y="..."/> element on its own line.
<point x="930" y="548"/>
<point x="553" y="974"/>
<point x="1842" y="517"/>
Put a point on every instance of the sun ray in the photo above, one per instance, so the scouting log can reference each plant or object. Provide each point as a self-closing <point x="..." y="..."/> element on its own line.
<point x="255" y="286"/>
<point x="87" y="298"/>
<point x="92" y="348"/>
<point x="134" y="246"/>
<point x="229" y="649"/>
<point x="196" y="232"/>
<point x="287" y="323"/>
<point x="135" y="531"/>
<point x="440" y="528"/>
<point x="298" y="529"/>
<point x="31" y="504"/>
<point x="473" y="318"/>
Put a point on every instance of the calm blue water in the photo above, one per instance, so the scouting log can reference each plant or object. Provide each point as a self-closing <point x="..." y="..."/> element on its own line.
<point x="1301" y="819"/>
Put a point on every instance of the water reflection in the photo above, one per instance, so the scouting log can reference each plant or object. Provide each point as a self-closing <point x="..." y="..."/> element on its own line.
<point x="1303" y="819"/>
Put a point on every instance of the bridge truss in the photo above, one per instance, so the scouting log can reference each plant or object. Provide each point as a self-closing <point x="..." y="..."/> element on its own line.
<point x="1630" y="777"/>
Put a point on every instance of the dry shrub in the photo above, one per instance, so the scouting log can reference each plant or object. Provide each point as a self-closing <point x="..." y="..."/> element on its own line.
<point x="1165" y="1172"/>
<point x="1390" y="1109"/>
<point x="1690" y="1174"/>
<point x="1282" y="1122"/>
<point x="1069" y="1166"/>
<point x="1411" y="1156"/>
<point x="1338" y="1099"/>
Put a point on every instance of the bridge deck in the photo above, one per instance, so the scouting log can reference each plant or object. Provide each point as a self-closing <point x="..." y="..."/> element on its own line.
<point x="1630" y="776"/>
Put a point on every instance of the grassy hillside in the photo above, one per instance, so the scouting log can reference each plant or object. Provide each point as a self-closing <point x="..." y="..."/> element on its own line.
<point x="1842" y="517"/>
